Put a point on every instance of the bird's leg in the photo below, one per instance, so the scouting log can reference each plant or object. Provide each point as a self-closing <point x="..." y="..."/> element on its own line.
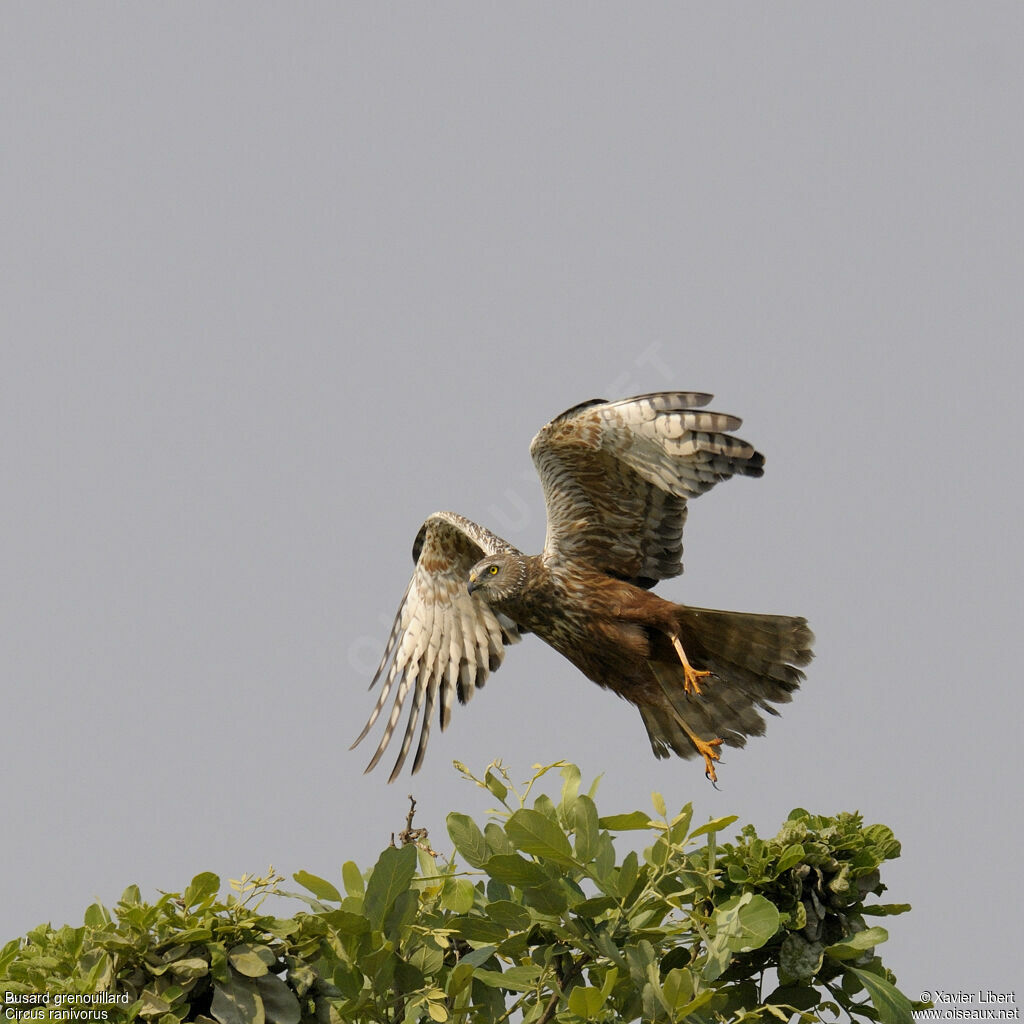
<point x="706" y="748"/>
<point x="690" y="674"/>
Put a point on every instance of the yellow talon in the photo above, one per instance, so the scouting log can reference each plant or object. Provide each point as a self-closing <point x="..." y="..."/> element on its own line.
<point x="706" y="749"/>
<point x="690" y="674"/>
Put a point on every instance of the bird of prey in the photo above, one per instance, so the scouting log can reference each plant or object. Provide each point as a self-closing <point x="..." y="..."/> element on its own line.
<point x="617" y="477"/>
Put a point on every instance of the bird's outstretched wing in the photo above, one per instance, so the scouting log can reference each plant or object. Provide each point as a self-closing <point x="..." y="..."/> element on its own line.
<point x="444" y="640"/>
<point x="616" y="477"/>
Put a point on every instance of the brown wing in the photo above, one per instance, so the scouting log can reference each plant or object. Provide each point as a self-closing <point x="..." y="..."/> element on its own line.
<point x="617" y="475"/>
<point x="444" y="640"/>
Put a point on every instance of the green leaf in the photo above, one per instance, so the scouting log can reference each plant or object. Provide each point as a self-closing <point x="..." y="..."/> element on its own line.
<point x="515" y="979"/>
<point x="407" y="977"/>
<point x="892" y="1005"/>
<point x="678" y="987"/>
<point x="352" y="878"/>
<point x="744" y="923"/>
<point x="658" y="854"/>
<point x="790" y="858"/>
<point x="477" y="929"/>
<point x="584" y="822"/>
<point x="497" y="841"/>
<point x="478" y="956"/>
<point x="460" y="976"/>
<point x="347" y="980"/>
<point x="695" y="1004"/>
<point x="100" y="966"/>
<point x="593" y="906"/>
<point x="496" y="786"/>
<point x="279" y="1002"/>
<point x="468" y="839"/>
<point x="546" y="899"/>
<point x="604" y="863"/>
<point x="799" y="960"/>
<point x="570" y="789"/>
<point x="718" y="958"/>
<point x="631" y="822"/>
<point x="759" y="921"/>
<point x="680" y="824"/>
<point x="201" y="887"/>
<point x="495" y="890"/>
<point x="885" y="909"/>
<point x="189" y="968"/>
<point x="219" y="968"/>
<point x="425" y="863"/>
<point x="853" y="947"/>
<point x="153" y="1004"/>
<point x="547" y="807"/>
<point x="96" y="916"/>
<point x="319" y="887"/>
<point x="401" y="914"/>
<point x="715" y="825"/>
<point x="235" y="1002"/>
<point x="586" y="1002"/>
<point x="610" y="977"/>
<point x="509" y="915"/>
<point x="132" y="896"/>
<point x="659" y="804"/>
<point x="535" y="833"/>
<point x="606" y="945"/>
<point x="381" y="966"/>
<point x="282" y="927"/>
<point x="803" y="997"/>
<point x="458" y="895"/>
<point x="514" y="869"/>
<point x="391" y="876"/>
<point x="252" y="961"/>
<point x="628" y="873"/>
<point x="428" y="959"/>
<point x="347" y="923"/>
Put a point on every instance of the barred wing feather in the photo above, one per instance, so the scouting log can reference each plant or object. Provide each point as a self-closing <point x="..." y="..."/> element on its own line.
<point x="444" y="641"/>
<point x="616" y="477"/>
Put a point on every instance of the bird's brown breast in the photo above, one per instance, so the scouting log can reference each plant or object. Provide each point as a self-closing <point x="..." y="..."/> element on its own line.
<point x="602" y="625"/>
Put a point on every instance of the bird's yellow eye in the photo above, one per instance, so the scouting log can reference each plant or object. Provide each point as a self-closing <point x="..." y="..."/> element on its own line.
<point x="493" y="570"/>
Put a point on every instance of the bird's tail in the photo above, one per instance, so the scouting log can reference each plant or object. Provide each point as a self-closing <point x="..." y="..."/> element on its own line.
<point x="755" y="662"/>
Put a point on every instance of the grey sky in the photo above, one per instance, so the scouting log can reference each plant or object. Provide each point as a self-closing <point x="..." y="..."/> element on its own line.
<point x="280" y="281"/>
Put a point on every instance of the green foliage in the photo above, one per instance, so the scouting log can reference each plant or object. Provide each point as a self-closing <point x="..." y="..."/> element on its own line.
<point x="536" y="913"/>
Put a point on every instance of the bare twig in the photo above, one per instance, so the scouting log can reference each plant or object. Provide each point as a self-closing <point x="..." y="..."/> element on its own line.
<point x="416" y="836"/>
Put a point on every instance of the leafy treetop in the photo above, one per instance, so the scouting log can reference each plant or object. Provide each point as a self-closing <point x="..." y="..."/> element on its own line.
<point x="535" y="913"/>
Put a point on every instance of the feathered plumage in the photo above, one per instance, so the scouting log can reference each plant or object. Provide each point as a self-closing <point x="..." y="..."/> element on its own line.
<point x="616" y="479"/>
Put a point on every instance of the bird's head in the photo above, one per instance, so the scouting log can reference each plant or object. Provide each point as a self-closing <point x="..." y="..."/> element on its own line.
<point x="497" y="578"/>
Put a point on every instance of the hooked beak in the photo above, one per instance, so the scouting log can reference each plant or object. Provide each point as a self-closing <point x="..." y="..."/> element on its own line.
<point x="471" y="585"/>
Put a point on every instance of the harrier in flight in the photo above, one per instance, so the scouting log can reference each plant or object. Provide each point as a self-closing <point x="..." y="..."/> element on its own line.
<point x="616" y="478"/>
